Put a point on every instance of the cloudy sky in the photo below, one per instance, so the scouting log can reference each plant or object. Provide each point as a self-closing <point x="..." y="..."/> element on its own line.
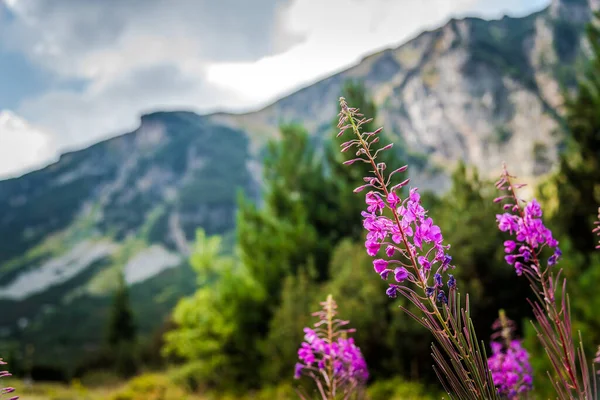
<point x="73" y="72"/>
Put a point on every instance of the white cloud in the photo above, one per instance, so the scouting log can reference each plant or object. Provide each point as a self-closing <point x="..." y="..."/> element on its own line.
<point x="338" y="33"/>
<point x="69" y="36"/>
<point x="128" y="57"/>
<point x="113" y="106"/>
<point x="22" y="146"/>
<point x="134" y="56"/>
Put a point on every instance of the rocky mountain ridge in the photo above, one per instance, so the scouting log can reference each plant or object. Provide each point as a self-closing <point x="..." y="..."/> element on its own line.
<point x="477" y="90"/>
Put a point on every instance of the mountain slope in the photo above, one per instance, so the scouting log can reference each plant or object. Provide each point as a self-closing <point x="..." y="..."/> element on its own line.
<point x="476" y="90"/>
<point x="481" y="91"/>
<point x="131" y="203"/>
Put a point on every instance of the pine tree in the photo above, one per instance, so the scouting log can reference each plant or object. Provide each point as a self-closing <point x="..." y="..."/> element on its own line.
<point x="293" y="313"/>
<point x="121" y="336"/>
<point x="121" y="326"/>
<point x="279" y="237"/>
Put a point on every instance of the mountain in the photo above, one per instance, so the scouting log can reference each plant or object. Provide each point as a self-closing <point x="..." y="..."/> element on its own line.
<point x="476" y="90"/>
<point x="130" y="203"/>
<point x="481" y="91"/>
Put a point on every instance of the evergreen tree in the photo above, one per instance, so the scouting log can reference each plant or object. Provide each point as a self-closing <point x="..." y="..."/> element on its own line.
<point x="121" y="328"/>
<point x="122" y="331"/>
<point x="309" y="204"/>
<point x="278" y="238"/>
<point x="292" y="315"/>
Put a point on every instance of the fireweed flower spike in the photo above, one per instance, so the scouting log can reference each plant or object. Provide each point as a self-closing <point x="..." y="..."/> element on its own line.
<point x="509" y="362"/>
<point x="419" y="269"/>
<point x="330" y="358"/>
<point x="597" y="358"/>
<point x="7" y="390"/>
<point x="524" y="252"/>
<point x="597" y="228"/>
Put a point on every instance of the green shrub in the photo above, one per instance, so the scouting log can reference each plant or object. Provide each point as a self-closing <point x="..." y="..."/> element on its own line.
<point x="150" y="387"/>
<point x="397" y="389"/>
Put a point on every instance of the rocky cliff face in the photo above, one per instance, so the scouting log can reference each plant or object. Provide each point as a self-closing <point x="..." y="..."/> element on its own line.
<point x="480" y="91"/>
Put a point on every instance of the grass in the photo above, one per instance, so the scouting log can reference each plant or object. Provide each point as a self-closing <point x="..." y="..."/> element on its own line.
<point x="151" y="386"/>
<point x="160" y="386"/>
<point x="56" y="391"/>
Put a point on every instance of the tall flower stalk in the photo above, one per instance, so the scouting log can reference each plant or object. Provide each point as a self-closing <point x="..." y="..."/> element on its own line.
<point x="6" y="390"/>
<point x="571" y="378"/>
<point x="416" y="259"/>
<point x="330" y="358"/>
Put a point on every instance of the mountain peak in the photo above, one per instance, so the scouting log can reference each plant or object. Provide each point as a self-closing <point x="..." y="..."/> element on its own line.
<point x="162" y="115"/>
<point x="576" y="11"/>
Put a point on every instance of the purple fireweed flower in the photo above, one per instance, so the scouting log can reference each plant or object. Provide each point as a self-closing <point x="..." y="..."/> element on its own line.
<point x="597" y="228"/>
<point x="329" y="357"/>
<point x="414" y="245"/>
<point x="437" y="278"/>
<point x="554" y="329"/>
<point x="509" y="246"/>
<point x="451" y="282"/>
<point x="6" y="390"/>
<point x="298" y="370"/>
<point x="529" y="233"/>
<point x="510" y="368"/>
<point x="392" y="291"/>
<point x="380" y="265"/>
<point x="441" y="297"/>
<point x="597" y="358"/>
<point x="415" y="236"/>
<point x="400" y="274"/>
<point x="509" y="362"/>
<point x="409" y="232"/>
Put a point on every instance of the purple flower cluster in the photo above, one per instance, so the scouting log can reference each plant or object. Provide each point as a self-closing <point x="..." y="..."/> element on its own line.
<point x="554" y="327"/>
<point x="343" y="355"/>
<point x="525" y="224"/>
<point x="510" y="368"/>
<point x="597" y="228"/>
<point x="330" y="358"/>
<point x="416" y="258"/>
<point x="7" y="390"/>
<point x="422" y="241"/>
<point x="408" y="231"/>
